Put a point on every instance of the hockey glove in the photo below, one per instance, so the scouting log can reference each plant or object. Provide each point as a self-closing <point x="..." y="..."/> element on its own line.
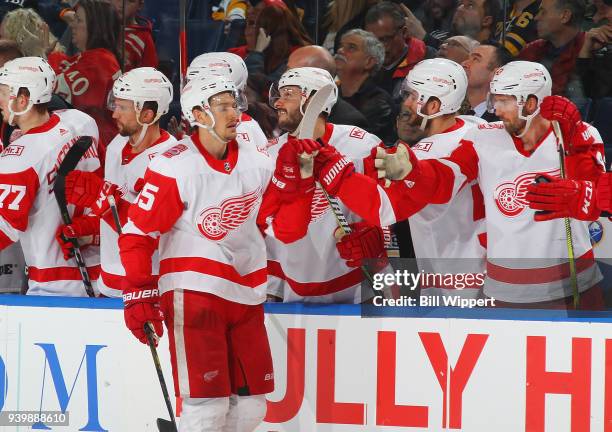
<point x="576" y="135"/>
<point x="558" y="198"/>
<point x="86" y="189"/>
<point x="365" y="242"/>
<point x="394" y="163"/>
<point x="330" y="168"/>
<point x="84" y="228"/>
<point x="139" y="306"/>
<point x="287" y="177"/>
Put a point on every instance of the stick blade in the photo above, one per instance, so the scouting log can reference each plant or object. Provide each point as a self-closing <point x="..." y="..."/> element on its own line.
<point x="164" y="425"/>
<point x="314" y="108"/>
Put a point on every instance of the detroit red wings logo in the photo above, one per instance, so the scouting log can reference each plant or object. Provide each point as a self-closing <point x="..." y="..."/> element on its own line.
<point x="215" y="223"/>
<point x="319" y="205"/>
<point x="510" y="196"/>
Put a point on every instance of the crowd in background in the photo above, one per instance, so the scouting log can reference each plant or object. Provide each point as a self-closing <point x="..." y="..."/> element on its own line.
<point x="368" y="45"/>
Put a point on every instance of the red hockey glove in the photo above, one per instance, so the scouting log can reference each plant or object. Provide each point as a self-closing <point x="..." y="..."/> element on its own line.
<point x="83" y="188"/>
<point x="84" y="228"/>
<point x="365" y="242"/>
<point x="604" y="192"/>
<point x="562" y="198"/>
<point x="576" y="135"/>
<point x="287" y="177"/>
<point x="330" y="168"/>
<point x="139" y="306"/>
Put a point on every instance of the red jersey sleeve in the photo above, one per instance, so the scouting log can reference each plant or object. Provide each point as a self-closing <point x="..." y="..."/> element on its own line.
<point x="17" y="195"/>
<point x="287" y="222"/>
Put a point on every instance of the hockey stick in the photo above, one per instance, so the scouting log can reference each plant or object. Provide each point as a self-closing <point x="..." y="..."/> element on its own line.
<point x="306" y="131"/>
<point x="162" y="425"/>
<point x="69" y="163"/>
<point x="182" y="41"/>
<point x="566" y="221"/>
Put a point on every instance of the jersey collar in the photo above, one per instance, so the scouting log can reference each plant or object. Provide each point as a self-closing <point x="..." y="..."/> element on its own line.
<point x="45" y="127"/>
<point x="224" y="166"/>
<point x="329" y="130"/>
<point x="128" y="156"/>
<point x="458" y="124"/>
<point x="518" y="143"/>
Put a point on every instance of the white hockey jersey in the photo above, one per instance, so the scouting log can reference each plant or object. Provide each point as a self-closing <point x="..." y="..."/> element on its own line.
<point x="311" y="269"/>
<point x="249" y="131"/>
<point x="447" y="237"/>
<point x="527" y="261"/>
<point x="28" y="209"/>
<point x="123" y="168"/>
<point x="209" y="213"/>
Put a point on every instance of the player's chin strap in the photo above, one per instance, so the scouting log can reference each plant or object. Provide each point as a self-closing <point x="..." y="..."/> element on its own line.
<point x="144" y="126"/>
<point x="211" y="128"/>
<point x="12" y="113"/>
<point x="528" y="119"/>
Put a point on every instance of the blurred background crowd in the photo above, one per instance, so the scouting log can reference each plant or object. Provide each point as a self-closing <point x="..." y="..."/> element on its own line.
<point x="368" y="45"/>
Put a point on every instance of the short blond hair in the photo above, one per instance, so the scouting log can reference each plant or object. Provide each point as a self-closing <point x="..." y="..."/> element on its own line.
<point x="24" y="26"/>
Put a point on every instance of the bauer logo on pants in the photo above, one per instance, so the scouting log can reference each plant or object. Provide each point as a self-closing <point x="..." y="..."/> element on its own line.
<point x="216" y="222"/>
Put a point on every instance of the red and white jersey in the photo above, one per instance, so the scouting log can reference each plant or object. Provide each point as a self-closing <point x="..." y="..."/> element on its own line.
<point x="208" y="214"/>
<point x="123" y="168"/>
<point x="527" y="261"/>
<point x="28" y="209"/>
<point x="446" y="237"/>
<point x="249" y="131"/>
<point x="139" y="45"/>
<point x="311" y="269"/>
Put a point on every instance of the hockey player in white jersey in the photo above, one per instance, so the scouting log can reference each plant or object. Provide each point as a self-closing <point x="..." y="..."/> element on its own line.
<point x="312" y="268"/>
<point x="527" y="262"/>
<point x="207" y="202"/>
<point x="139" y="99"/>
<point x="28" y="169"/>
<point x="232" y="67"/>
<point x="448" y="238"/>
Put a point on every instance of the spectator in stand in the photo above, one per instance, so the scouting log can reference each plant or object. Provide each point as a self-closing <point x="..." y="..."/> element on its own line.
<point x="480" y="68"/>
<point x="340" y="13"/>
<point x="603" y="12"/>
<point x="521" y="27"/>
<point x="139" y="45"/>
<point x="477" y="19"/>
<point x="457" y="48"/>
<point x="316" y="56"/>
<point x="279" y="33"/>
<point x="30" y="31"/>
<point x="594" y="62"/>
<point x="387" y="22"/>
<point x="559" y="23"/>
<point x="437" y="16"/>
<point x="359" y="58"/>
<point x="86" y="79"/>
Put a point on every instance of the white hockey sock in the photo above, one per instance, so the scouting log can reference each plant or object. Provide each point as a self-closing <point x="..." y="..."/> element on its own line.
<point x="245" y="413"/>
<point x="200" y="414"/>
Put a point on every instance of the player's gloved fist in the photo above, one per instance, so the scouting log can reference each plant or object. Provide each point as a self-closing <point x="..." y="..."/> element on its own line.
<point x="83" y="188"/>
<point x="394" y="163"/>
<point x="576" y="135"/>
<point x="330" y="168"/>
<point x="84" y="228"/>
<point x="287" y="177"/>
<point x="604" y="192"/>
<point x="306" y="150"/>
<point x="139" y="306"/>
<point x="365" y="242"/>
<point x="557" y="198"/>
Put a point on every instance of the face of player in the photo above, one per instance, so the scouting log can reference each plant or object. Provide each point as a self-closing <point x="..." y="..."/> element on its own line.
<point x="506" y="109"/>
<point x="351" y="58"/>
<point x="408" y="121"/>
<point x="288" y="108"/>
<point x="478" y="66"/>
<point x="124" y="115"/>
<point x="79" y="30"/>
<point x="227" y="115"/>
